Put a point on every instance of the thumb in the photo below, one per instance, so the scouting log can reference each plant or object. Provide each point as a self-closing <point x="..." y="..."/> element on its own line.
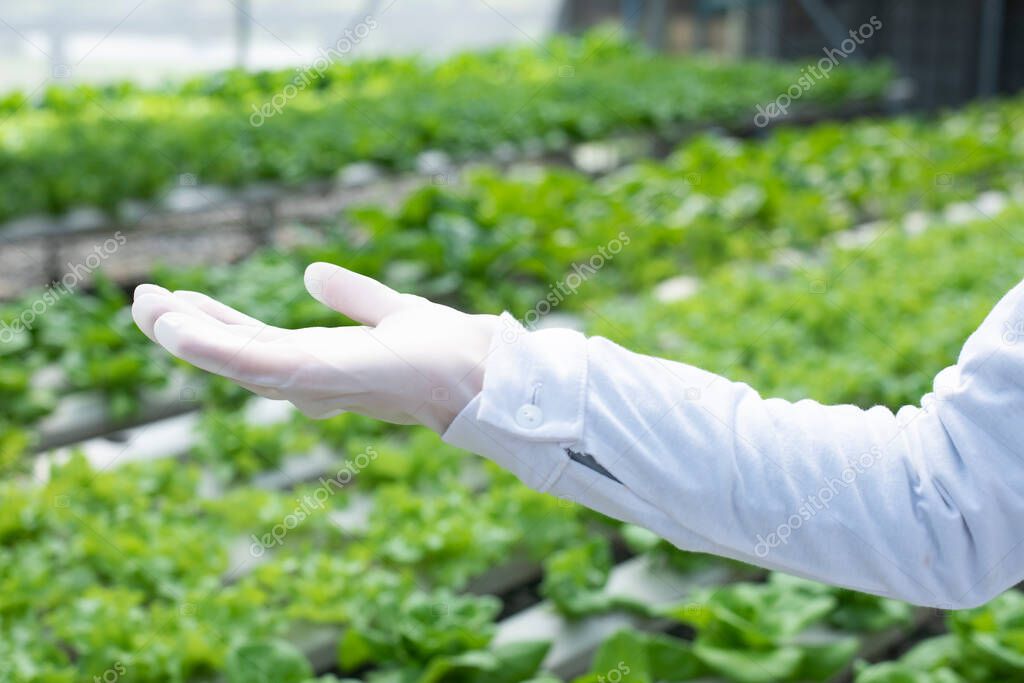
<point x="359" y="297"/>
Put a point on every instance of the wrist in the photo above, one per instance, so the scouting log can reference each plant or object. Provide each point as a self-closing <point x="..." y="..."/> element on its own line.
<point x="464" y="377"/>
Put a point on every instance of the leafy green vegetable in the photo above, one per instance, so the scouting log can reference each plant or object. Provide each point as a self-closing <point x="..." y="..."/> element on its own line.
<point x="928" y="661"/>
<point x="237" y="449"/>
<point x="511" y="663"/>
<point x="854" y="612"/>
<point x="752" y="633"/>
<point x="635" y="657"/>
<point x="273" y="661"/>
<point x="102" y="349"/>
<point x="574" y="578"/>
<point x="421" y="626"/>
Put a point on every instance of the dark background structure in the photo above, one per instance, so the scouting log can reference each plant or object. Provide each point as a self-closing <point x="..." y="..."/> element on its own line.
<point x="951" y="51"/>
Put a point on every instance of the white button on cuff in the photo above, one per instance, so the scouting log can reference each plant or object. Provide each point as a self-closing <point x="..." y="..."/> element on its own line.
<point x="529" y="416"/>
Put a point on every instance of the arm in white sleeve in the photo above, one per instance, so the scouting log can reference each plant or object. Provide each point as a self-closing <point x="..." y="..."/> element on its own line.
<point x="925" y="505"/>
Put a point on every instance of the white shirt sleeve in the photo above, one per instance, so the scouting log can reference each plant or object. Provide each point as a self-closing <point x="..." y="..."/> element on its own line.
<point x="925" y="505"/>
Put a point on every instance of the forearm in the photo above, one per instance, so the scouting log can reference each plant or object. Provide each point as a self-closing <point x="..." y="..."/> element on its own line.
<point x="883" y="503"/>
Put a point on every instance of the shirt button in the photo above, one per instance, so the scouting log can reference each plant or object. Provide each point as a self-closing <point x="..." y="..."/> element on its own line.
<point x="529" y="416"/>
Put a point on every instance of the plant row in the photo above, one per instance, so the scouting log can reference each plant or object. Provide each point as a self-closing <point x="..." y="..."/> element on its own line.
<point x="133" y="567"/>
<point x="100" y="146"/>
<point x="131" y="570"/>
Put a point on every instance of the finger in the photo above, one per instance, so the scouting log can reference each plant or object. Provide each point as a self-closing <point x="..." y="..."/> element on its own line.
<point x="147" y="288"/>
<point x="149" y="307"/>
<point x="211" y="346"/>
<point x="217" y="309"/>
<point x="236" y="320"/>
<point x="359" y="297"/>
<point x="152" y="304"/>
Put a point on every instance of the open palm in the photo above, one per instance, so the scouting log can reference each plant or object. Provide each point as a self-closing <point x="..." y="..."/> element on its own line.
<point x="410" y="360"/>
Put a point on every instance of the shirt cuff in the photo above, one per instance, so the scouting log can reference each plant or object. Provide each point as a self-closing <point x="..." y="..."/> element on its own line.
<point x="531" y="405"/>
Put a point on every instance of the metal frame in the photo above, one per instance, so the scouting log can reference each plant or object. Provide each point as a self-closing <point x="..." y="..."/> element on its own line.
<point x="990" y="46"/>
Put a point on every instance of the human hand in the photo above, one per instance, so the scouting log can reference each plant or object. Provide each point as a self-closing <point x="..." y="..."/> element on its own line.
<point x="410" y="361"/>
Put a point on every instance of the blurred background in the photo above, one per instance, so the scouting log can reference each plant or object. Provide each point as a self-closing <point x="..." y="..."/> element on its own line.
<point x="68" y="59"/>
<point x="941" y="54"/>
<point x="952" y="50"/>
<point x="821" y="198"/>
<point x="153" y="41"/>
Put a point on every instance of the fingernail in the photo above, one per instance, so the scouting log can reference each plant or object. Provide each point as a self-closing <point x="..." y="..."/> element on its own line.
<point x="147" y="288"/>
<point x="167" y="329"/>
<point x="316" y="277"/>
